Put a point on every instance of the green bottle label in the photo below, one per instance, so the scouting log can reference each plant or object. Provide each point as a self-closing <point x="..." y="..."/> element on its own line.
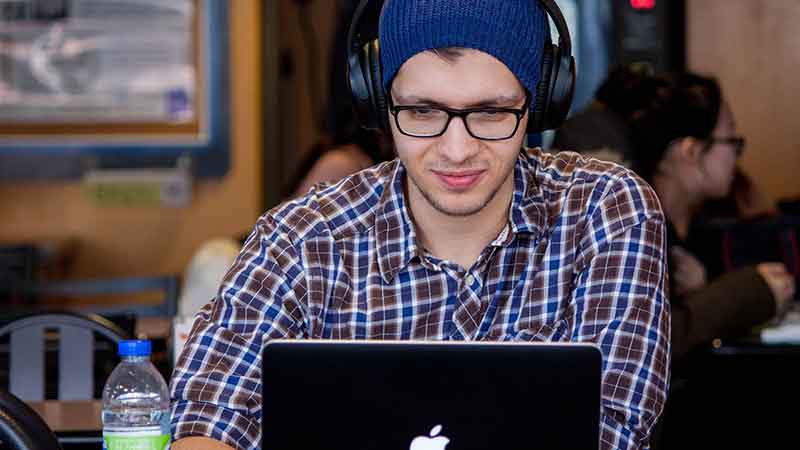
<point x="149" y="438"/>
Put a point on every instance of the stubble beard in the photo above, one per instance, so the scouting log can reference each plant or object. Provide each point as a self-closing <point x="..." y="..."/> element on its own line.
<point x="451" y="212"/>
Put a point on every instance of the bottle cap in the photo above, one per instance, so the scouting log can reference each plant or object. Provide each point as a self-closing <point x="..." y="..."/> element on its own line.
<point x="134" y="348"/>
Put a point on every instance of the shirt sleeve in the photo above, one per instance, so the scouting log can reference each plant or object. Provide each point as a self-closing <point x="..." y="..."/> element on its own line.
<point x="621" y="306"/>
<point x="216" y="385"/>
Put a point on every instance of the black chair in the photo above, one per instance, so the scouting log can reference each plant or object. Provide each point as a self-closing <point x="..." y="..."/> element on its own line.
<point x="30" y="339"/>
<point x="21" y="428"/>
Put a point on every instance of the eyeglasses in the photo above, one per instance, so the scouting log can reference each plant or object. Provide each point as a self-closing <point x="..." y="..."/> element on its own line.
<point x="737" y="142"/>
<point x="488" y="124"/>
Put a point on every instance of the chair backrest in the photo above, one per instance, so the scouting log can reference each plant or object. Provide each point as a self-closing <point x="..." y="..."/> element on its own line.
<point x="28" y="337"/>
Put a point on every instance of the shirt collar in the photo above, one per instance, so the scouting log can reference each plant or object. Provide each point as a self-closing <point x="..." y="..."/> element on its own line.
<point x="394" y="231"/>
<point x="528" y="213"/>
<point x="396" y="238"/>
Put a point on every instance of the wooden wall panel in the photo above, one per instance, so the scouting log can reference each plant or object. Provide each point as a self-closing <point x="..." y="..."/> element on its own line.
<point x="753" y="47"/>
<point x="298" y="132"/>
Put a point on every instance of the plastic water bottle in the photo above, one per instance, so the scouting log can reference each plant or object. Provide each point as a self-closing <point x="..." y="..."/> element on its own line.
<point x="136" y="413"/>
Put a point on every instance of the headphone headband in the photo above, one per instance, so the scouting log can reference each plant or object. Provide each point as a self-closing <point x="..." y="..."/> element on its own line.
<point x="564" y="40"/>
<point x="355" y="35"/>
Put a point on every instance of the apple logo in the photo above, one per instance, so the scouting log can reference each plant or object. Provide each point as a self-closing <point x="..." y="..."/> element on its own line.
<point x="434" y="442"/>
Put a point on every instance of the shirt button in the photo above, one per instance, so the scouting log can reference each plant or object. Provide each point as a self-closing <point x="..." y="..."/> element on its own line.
<point x="470" y="279"/>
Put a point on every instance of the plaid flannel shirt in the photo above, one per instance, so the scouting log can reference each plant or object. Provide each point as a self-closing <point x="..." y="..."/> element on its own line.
<point x="581" y="259"/>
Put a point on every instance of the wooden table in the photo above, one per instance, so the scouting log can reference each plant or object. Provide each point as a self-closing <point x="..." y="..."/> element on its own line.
<point x="82" y="415"/>
<point x="76" y="424"/>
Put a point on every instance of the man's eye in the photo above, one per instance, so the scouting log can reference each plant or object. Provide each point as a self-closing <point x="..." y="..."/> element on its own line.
<point x="491" y="115"/>
<point x="423" y="113"/>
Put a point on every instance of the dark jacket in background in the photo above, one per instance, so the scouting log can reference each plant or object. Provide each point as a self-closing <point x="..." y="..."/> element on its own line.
<point x="728" y="306"/>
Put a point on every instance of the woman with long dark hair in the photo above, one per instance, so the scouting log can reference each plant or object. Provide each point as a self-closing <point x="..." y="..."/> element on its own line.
<point x="686" y="145"/>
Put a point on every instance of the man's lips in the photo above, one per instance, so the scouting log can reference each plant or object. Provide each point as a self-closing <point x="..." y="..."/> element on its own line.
<point x="459" y="180"/>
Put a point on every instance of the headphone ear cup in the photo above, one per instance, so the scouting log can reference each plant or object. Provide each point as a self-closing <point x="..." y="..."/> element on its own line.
<point x="541" y="101"/>
<point x="562" y="87"/>
<point x="357" y="76"/>
<point x="378" y="94"/>
<point x="554" y="91"/>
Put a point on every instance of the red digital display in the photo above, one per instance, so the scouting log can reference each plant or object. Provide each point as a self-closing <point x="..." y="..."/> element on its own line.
<point x="643" y="4"/>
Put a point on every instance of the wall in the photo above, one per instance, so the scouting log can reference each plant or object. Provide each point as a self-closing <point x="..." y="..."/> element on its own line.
<point x="142" y="241"/>
<point x="298" y="133"/>
<point x="753" y="47"/>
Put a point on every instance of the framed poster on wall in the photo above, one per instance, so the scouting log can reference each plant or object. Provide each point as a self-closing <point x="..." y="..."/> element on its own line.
<point x="112" y="83"/>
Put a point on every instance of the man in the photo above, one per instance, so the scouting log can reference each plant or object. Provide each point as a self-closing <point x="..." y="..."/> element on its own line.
<point x="463" y="237"/>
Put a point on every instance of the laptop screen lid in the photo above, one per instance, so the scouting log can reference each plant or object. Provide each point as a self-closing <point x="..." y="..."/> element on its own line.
<point x="338" y="395"/>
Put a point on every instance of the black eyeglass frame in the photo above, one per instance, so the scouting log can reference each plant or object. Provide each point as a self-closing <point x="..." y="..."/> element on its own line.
<point x="461" y="113"/>
<point x="738" y="143"/>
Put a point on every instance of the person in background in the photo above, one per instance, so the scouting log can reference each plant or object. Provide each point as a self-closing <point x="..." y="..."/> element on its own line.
<point x="745" y="200"/>
<point x="333" y="158"/>
<point x="466" y="236"/>
<point x="345" y="148"/>
<point x="685" y="143"/>
<point x="602" y="130"/>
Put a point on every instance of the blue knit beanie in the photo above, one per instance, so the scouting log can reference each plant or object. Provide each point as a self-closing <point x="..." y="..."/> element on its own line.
<point x="513" y="31"/>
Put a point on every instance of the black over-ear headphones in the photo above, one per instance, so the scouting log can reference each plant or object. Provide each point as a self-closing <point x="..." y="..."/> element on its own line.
<point x="553" y="94"/>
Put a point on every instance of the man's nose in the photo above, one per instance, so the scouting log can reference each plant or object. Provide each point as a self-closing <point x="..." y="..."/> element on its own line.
<point x="456" y="144"/>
